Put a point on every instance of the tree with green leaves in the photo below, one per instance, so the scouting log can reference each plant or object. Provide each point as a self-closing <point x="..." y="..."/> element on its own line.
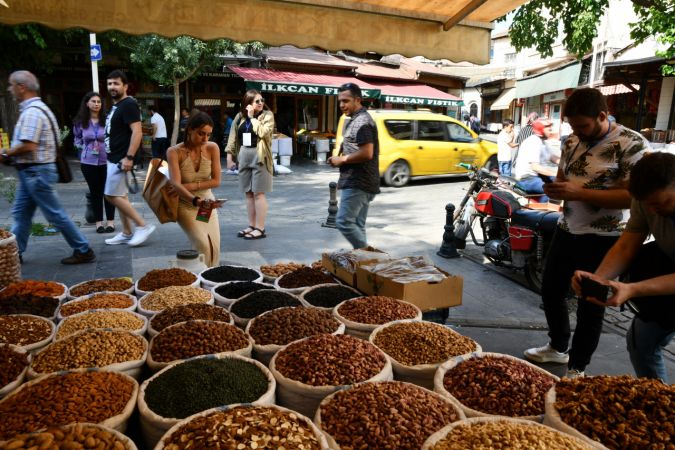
<point x="536" y="24"/>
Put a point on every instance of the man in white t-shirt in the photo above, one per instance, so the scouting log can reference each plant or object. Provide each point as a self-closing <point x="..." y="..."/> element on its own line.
<point x="535" y="162"/>
<point x="160" y="142"/>
<point x="505" y="144"/>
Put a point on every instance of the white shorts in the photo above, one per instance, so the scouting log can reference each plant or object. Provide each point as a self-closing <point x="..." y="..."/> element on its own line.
<point x="115" y="182"/>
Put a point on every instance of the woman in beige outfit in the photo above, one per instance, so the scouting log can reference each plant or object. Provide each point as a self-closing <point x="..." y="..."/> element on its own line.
<point x="194" y="168"/>
<point x="250" y="144"/>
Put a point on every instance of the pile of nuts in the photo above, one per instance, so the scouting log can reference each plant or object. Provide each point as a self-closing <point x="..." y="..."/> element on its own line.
<point x="258" y="302"/>
<point x="500" y="386"/>
<point x="330" y="360"/>
<point x="174" y="296"/>
<point x="183" y="313"/>
<point x="33" y="287"/>
<point x="221" y="274"/>
<point x="159" y="278"/>
<point x="621" y="412"/>
<point x="329" y="296"/>
<point x="503" y="434"/>
<point x="305" y="276"/>
<point x="62" y="399"/>
<point x="415" y="343"/>
<point x="386" y="415"/>
<point x="100" y="285"/>
<point x="188" y="339"/>
<point x="92" y="348"/>
<point x="68" y="437"/>
<point x="29" y="304"/>
<point x="12" y="363"/>
<point x="249" y="426"/>
<point x="276" y="270"/>
<point x="285" y="325"/>
<point x="376" y="310"/>
<point x="23" y="330"/>
<point x="237" y="289"/>
<point x="96" y="301"/>
<point x="115" y="319"/>
<point x="10" y="266"/>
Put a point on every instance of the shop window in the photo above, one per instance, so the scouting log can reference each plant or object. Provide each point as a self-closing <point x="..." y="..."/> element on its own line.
<point x="431" y="130"/>
<point x="458" y="133"/>
<point x="399" y="129"/>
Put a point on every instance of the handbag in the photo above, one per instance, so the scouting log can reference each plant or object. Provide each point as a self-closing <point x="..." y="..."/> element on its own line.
<point x="62" y="167"/>
<point x="157" y="192"/>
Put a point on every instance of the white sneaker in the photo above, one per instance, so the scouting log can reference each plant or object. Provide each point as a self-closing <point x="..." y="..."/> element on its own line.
<point x="546" y="354"/>
<point x="574" y="373"/>
<point x="119" y="238"/>
<point x="141" y="235"/>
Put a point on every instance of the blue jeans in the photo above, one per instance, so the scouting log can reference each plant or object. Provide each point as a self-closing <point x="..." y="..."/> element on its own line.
<point x="36" y="189"/>
<point x="533" y="185"/>
<point x="352" y="214"/>
<point x="645" y="341"/>
<point x="505" y="168"/>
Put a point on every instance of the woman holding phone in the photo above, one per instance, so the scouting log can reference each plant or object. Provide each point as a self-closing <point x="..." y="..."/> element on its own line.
<point x="194" y="169"/>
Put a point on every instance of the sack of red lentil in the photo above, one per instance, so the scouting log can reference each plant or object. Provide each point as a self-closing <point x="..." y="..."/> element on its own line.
<point x="362" y="315"/>
<point x="417" y="349"/>
<point x="14" y="362"/>
<point x="197" y="384"/>
<point x="501" y="432"/>
<point x="57" y="398"/>
<point x="30" y="333"/>
<point x="10" y="266"/>
<point x="75" y="435"/>
<point x="310" y="369"/>
<point x="517" y="388"/>
<point x="98" y="300"/>
<point x="123" y="285"/>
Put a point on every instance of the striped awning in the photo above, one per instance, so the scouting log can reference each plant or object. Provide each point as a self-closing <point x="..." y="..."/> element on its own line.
<point x="618" y="89"/>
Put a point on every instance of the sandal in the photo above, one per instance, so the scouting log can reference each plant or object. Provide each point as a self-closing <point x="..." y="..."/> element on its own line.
<point x="250" y="236"/>
<point x="246" y="231"/>
<point x="110" y="229"/>
<point x="100" y="229"/>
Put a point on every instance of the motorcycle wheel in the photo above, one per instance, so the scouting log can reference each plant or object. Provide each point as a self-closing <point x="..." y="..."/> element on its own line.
<point x="533" y="276"/>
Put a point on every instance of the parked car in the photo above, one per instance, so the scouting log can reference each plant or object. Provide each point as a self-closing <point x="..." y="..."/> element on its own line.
<point x="422" y="144"/>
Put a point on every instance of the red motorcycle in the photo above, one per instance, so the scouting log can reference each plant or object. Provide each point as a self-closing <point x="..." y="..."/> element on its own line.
<point x="512" y="235"/>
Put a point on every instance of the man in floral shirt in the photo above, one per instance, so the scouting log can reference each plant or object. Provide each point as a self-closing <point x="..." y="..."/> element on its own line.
<point x="592" y="179"/>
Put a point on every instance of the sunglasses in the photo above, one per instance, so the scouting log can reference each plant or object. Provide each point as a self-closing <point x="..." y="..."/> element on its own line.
<point x="260" y="100"/>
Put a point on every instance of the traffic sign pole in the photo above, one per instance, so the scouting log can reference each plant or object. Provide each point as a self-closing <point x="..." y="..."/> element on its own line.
<point x="94" y="63"/>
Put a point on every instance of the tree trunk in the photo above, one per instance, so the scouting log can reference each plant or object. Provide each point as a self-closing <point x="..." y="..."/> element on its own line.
<point x="176" y="111"/>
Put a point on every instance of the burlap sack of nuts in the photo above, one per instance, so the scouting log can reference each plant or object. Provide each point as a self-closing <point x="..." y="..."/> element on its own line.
<point x="422" y="374"/>
<point x="75" y="435"/>
<point x="478" y="433"/>
<point x="98" y="300"/>
<point x="140" y="292"/>
<point x="102" y="319"/>
<point x="323" y="286"/>
<point x="172" y="296"/>
<point x="439" y="383"/>
<point x="10" y="266"/>
<point x="28" y="331"/>
<point x="363" y="330"/>
<point x="16" y="382"/>
<point x="154" y="426"/>
<point x="97" y="286"/>
<point x="184" y="316"/>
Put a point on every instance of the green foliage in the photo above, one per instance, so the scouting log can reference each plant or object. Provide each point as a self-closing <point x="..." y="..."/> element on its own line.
<point x="657" y="18"/>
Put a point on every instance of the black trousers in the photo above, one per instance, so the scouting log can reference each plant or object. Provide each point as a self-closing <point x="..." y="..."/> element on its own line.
<point x="95" y="177"/>
<point x="570" y="252"/>
<point x="159" y="147"/>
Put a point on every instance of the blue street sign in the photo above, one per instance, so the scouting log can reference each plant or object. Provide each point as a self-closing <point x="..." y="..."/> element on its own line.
<point x="95" y="52"/>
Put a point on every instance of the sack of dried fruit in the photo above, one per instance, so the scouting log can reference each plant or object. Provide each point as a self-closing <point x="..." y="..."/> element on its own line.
<point x="28" y="332"/>
<point x="14" y="362"/>
<point x="10" y="266"/>
<point x="98" y="300"/>
<point x="259" y="302"/>
<point x="184" y="313"/>
<point x="362" y="315"/>
<point x="122" y="284"/>
<point x="327" y="296"/>
<point x="102" y="319"/>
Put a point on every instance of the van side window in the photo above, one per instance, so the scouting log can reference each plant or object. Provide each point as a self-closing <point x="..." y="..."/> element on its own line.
<point x="431" y="130"/>
<point x="458" y="133"/>
<point x="399" y="129"/>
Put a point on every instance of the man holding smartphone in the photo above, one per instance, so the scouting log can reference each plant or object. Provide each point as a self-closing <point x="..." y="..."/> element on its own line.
<point x="650" y="288"/>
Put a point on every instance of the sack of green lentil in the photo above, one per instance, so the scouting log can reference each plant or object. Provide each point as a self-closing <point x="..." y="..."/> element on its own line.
<point x="258" y="302"/>
<point x="102" y="319"/>
<point x="197" y="384"/>
<point x="30" y="333"/>
<point x="161" y="278"/>
<point x="123" y="285"/>
<point x="486" y="433"/>
<point x="328" y="295"/>
<point x="362" y="315"/>
<point x="85" y="395"/>
<point x="416" y="348"/>
<point x="98" y="300"/>
<point x="517" y="388"/>
<point x="267" y="426"/>
<point x="14" y="362"/>
<point x="10" y="265"/>
<point x="310" y="369"/>
<point x="157" y="301"/>
<point x="229" y="292"/>
<point x="384" y="415"/>
<point x="112" y="350"/>
<point x="184" y="313"/>
<point x="195" y="338"/>
<point x="212" y="276"/>
<point x="272" y="330"/>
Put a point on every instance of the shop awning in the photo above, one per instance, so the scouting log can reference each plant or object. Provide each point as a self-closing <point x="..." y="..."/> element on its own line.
<point x="618" y="89"/>
<point x="458" y="30"/>
<point x="504" y="100"/>
<point x="416" y="95"/>
<point x="555" y="80"/>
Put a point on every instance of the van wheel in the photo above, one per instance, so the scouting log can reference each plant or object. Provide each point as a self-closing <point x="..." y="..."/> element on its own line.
<point x="398" y="174"/>
<point x="492" y="164"/>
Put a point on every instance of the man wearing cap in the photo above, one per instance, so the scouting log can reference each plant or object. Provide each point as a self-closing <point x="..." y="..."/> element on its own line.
<point x="592" y="179"/>
<point x="535" y="161"/>
<point x="526" y="131"/>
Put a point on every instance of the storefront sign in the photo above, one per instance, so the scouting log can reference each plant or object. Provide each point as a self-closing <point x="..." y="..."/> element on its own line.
<point x="420" y="101"/>
<point x="307" y="89"/>
<point x="554" y="96"/>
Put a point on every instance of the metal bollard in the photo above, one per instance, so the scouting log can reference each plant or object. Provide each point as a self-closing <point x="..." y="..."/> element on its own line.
<point x="448" y="248"/>
<point x="332" y="206"/>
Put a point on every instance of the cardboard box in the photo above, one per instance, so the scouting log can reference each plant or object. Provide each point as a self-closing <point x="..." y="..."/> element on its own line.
<point x="344" y="274"/>
<point x="426" y="295"/>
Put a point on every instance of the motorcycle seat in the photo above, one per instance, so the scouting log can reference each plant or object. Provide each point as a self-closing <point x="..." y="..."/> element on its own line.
<point x="544" y="221"/>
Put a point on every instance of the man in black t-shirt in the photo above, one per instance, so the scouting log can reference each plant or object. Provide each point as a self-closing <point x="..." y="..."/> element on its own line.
<point x="358" y="163"/>
<point x="123" y="136"/>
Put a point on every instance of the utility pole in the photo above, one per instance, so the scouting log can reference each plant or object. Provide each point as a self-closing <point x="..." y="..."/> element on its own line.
<point x="95" y="55"/>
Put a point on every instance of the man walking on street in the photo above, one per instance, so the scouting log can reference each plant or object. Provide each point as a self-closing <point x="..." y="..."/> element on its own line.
<point x="33" y="151"/>
<point x="123" y="136"/>
<point x="535" y="162"/>
<point x="358" y="163"/>
<point x="160" y="142"/>
<point x="592" y="179"/>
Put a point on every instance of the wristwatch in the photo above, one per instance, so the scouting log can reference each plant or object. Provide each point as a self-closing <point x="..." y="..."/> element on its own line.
<point x="130" y="157"/>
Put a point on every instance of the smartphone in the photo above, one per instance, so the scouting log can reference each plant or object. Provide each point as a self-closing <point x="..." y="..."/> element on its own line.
<point x="591" y="288"/>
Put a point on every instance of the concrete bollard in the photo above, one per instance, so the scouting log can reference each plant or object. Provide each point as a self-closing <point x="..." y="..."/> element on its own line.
<point x="332" y="206"/>
<point x="448" y="248"/>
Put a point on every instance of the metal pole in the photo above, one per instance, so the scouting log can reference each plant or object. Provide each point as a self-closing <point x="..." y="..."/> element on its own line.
<point x="94" y="65"/>
<point x="448" y="247"/>
<point x="332" y="206"/>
